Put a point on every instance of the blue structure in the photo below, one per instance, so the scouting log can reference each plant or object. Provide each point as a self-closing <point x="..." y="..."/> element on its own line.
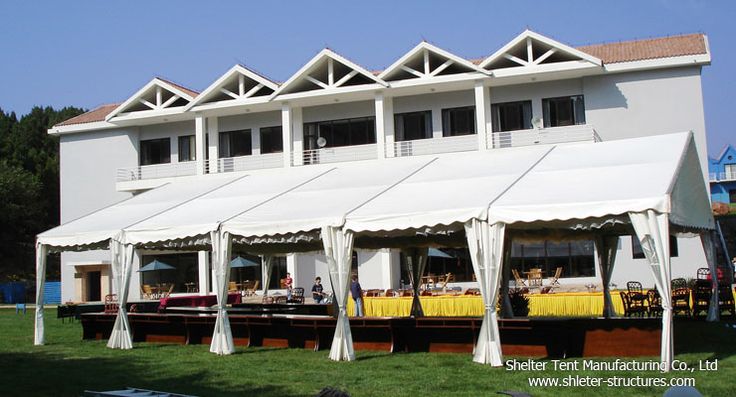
<point x="722" y="175"/>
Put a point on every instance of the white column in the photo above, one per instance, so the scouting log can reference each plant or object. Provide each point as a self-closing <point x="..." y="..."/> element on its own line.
<point x="482" y="112"/>
<point x="384" y="125"/>
<point x="291" y="268"/>
<point x="255" y="141"/>
<point x="286" y="126"/>
<point x="437" y="122"/>
<point x="200" y="129"/>
<point x="213" y="135"/>
<point x="297" y="135"/>
<point x="204" y="272"/>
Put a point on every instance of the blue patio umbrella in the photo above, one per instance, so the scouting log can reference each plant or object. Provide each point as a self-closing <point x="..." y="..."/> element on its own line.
<point x="437" y="253"/>
<point x="241" y="262"/>
<point x="156" y="266"/>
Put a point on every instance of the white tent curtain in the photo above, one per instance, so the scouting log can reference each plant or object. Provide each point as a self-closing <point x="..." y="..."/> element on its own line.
<point x="714" y="311"/>
<point x="121" y="264"/>
<point x="338" y="244"/>
<point x="416" y="261"/>
<point x="41" y="251"/>
<point x="507" y="310"/>
<point x="652" y="230"/>
<point x="222" y="338"/>
<point x="266" y="266"/>
<point x="605" y="247"/>
<point x="485" y="243"/>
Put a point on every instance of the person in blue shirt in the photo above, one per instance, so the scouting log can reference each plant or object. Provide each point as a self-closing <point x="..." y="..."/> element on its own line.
<point x="357" y="293"/>
<point x="317" y="289"/>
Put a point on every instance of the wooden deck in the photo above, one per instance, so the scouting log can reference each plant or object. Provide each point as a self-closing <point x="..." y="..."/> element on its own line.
<point x="520" y="337"/>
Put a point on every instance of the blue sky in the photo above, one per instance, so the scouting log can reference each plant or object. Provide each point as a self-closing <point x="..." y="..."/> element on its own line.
<point x="87" y="53"/>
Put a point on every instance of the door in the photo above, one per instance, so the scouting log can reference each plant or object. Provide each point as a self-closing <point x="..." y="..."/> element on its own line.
<point x="94" y="286"/>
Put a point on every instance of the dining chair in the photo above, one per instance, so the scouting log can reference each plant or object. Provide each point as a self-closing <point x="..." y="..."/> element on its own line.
<point x="517" y="278"/>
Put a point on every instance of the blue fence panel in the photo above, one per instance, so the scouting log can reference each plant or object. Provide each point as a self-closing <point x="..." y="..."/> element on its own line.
<point x="52" y="292"/>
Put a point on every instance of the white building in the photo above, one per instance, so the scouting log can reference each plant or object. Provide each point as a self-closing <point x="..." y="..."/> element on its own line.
<point x="532" y="91"/>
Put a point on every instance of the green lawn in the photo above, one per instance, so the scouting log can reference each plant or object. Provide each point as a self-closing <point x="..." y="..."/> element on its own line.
<point x="67" y="365"/>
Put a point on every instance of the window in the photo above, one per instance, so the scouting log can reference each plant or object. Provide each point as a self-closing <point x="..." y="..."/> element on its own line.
<point x="278" y="271"/>
<point x="563" y="111"/>
<point x="732" y="196"/>
<point x="458" y="121"/>
<point x="186" y="270"/>
<point x="155" y="151"/>
<point x="574" y="257"/>
<point x="638" y="253"/>
<point x="414" y="125"/>
<point x="459" y="265"/>
<point x="511" y="116"/>
<point x="271" y="140"/>
<point x="235" y="143"/>
<point x="346" y="132"/>
<point x="730" y="170"/>
<point x="187" y="148"/>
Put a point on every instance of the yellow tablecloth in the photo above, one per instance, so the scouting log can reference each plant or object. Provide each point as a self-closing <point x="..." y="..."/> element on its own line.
<point x="540" y="305"/>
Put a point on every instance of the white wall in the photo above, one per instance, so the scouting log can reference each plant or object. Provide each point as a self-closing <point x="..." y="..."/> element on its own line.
<point x="88" y="165"/>
<point x="339" y="111"/>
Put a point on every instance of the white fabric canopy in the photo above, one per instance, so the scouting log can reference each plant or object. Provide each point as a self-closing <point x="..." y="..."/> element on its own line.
<point x="338" y="246"/>
<point x="41" y="251"/>
<point x="122" y="264"/>
<point x="606" y="247"/>
<point x="714" y="310"/>
<point x="416" y="261"/>
<point x="485" y="243"/>
<point x="222" y="338"/>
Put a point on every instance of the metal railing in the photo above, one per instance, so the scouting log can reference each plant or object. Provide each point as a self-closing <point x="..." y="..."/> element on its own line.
<point x="722" y="176"/>
<point x="245" y="163"/>
<point x="543" y="136"/>
<point x="168" y="170"/>
<point x="418" y="147"/>
<point x="335" y="154"/>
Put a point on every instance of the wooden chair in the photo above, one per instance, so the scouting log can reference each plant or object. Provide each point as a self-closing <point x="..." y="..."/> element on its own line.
<point x="147" y="292"/>
<point x="447" y="278"/>
<point x="389" y="293"/>
<point x="701" y="297"/>
<point x="680" y="297"/>
<point x="297" y="295"/>
<point x="554" y="281"/>
<point x="166" y="291"/>
<point x="630" y="308"/>
<point x="519" y="282"/>
<point x="252" y="291"/>
<point x="111" y="304"/>
<point x="232" y="286"/>
<point x="535" y="278"/>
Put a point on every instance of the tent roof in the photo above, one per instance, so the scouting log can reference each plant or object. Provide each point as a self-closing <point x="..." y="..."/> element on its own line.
<point x="527" y="184"/>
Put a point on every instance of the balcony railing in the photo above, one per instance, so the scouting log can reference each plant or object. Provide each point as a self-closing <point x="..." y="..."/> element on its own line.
<point x="418" y="147"/>
<point x="335" y="154"/>
<point x="722" y="176"/>
<point x="542" y="136"/>
<point x="245" y="163"/>
<point x="168" y="170"/>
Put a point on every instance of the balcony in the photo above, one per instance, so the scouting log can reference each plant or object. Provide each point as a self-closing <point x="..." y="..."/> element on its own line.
<point x="335" y="154"/>
<point x="245" y="163"/>
<point x="722" y="176"/>
<point x="156" y="171"/>
<point x="543" y="136"/>
<point x="418" y="147"/>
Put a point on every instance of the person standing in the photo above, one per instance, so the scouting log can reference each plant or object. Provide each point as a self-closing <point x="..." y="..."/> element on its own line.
<point x="288" y="282"/>
<point x="357" y="294"/>
<point x="317" y="289"/>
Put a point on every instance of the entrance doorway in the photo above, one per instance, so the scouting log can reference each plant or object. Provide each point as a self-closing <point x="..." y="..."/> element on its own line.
<point x="94" y="286"/>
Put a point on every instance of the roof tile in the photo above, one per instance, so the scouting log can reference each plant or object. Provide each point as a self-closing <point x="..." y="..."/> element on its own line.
<point x="97" y="114"/>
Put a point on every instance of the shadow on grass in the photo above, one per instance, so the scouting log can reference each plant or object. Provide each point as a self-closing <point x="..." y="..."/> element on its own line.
<point x="697" y="336"/>
<point x="47" y="374"/>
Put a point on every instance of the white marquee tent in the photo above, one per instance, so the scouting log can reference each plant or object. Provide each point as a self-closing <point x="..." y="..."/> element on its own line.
<point x="651" y="186"/>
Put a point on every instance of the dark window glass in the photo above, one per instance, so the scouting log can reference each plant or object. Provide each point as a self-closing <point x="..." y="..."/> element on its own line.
<point x="574" y="257"/>
<point x="732" y="196"/>
<point x="186" y="270"/>
<point x="638" y="253"/>
<point x="563" y="111"/>
<point x="459" y="265"/>
<point x="511" y="116"/>
<point x="347" y="132"/>
<point x="235" y="143"/>
<point x="187" y="147"/>
<point x="271" y="140"/>
<point x="278" y="272"/>
<point x="414" y="125"/>
<point x="458" y="121"/>
<point x="155" y="151"/>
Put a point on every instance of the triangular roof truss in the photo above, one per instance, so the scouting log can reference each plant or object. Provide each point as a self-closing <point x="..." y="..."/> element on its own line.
<point x="157" y="95"/>
<point x="237" y="84"/>
<point x="530" y="49"/>
<point x="327" y="71"/>
<point x="426" y="60"/>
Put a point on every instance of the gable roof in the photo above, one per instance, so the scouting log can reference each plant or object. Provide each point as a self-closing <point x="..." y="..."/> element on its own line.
<point x="302" y="80"/>
<point x="427" y="67"/>
<point x="97" y="114"/>
<point x="138" y="102"/>
<point x="245" y="84"/>
<point x="636" y="50"/>
<point x="550" y="49"/>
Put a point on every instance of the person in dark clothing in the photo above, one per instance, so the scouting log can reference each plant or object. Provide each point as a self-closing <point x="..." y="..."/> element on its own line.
<point x="357" y="294"/>
<point x="317" y="289"/>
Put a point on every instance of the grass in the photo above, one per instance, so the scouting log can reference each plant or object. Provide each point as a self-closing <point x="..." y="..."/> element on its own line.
<point x="67" y="366"/>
